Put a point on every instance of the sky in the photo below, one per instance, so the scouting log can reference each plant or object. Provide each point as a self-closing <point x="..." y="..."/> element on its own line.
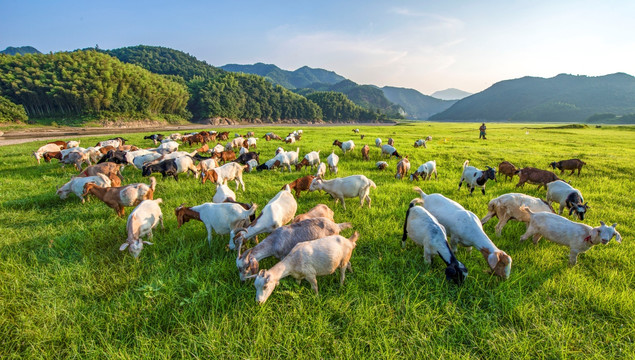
<point x="424" y="45"/>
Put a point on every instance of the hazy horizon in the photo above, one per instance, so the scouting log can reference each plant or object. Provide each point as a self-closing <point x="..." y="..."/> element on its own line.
<point x="427" y="46"/>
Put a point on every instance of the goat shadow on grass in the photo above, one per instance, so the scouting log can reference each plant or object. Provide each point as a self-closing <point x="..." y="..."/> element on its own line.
<point x="38" y="202"/>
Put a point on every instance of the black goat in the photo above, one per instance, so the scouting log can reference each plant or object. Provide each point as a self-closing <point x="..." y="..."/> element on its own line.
<point x="243" y="158"/>
<point x="165" y="167"/>
<point x="114" y="156"/>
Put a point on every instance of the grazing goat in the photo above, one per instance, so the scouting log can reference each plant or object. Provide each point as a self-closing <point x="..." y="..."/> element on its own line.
<point x="286" y="159"/>
<point x="119" y="197"/>
<point x="378" y="142"/>
<point x="252" y="142"/>
<point x="223" y="193"/>
<point x="365" y="151"/>
<point x="222" y="218"/>
<point x="72" y="144"/>
<point x="46" y="149"/>
<point x="577" y="236"/>
<point x="62" y="144"/>
<point x="77" y="159"/>
<point x="167" y="147"/>
<point x="391" y="142"/>
<point x="301" y="184"/>
<point x="206" y="165"/>
<point x="166" y="168"/>
<point x="278" y="211"/>
<point x="76" y="185"/>
<point x="428" y="138"/>
<point x="420" y="143"/>
<point x="425" y="171"/>
<point x="381" y="165"/>
<point x="425" y="230"/>
<point x="319" y="210"/>
<point x="141" y="221"/>
<point x="321" y="170"/>
<point x="311" y="159"/>
<point x="474" y="177"/>
<point x="465" y="228"/>
<point x="156" y="138"/>
<point x="535" y="176"/>
<point x="507" y="207"/>
<point x="390" y="151"/>
<point x="345" y="146"/>
<point x="227" y="172"/>
<point x="111" y="170"/>
<point x="280" y="242"/>
<point x="225" y="156"/>
<point x="571" y="164"/>
<point x="252" y="164"/>
<point x="347" y="187"/>
<point x="333" y="160"/>
<point x="567" y="196"/>
<point x="175" y="136"/>
<point x="403" y="166"/>
<point x="306" y="261"/>
<point x="250" y="134"/>
<point x="356" y="131"/>
<point x="508" y="169"/>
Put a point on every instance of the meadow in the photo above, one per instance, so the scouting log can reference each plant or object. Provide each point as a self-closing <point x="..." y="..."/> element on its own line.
<point x="67" y="291"/>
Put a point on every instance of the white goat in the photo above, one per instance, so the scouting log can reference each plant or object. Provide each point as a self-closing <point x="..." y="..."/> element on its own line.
<point x="425" y="171"/>
<point x="577" y="236"/>
<point x="252" y="165"/>
<point x="378" y="142"/>
<point x="141" y="221"/>
<point x="465" y="229"/>
<point x="252" y="142"/>
<point x="228" y="172"/>
<point x="72" y="144"/>
<point x="321" y="170"/>
<point x="425" y="230"/>
<point x="390" y="151"/>
<point x="286" y="159"/>
<point x="568" y="197"/>
<point x="278" y="211"/>
<point x="311" y="159"/>
<point x="223" y="192"/>
<point x="347" y="187"/>
<point x="167" y="147"/>
<point x="306" y="261"/>
<point x="242" y="150"/>
<point x="474" y="177"/>
<point x="381" y="165"/>
<point x="45" y="149"/>
<point x="507" y="207"/>
<point x="206" y="165"/>
<point x="420" y="143"/>
<point x="345" y="146"/>
<point x="76" y="185"/>
<point x="333" y="160"/>
<point x="219" y="148"/>
<point x="176" y="137"/>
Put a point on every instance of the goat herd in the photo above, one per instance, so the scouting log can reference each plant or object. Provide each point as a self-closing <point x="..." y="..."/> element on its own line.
<point x="311" y="245"/>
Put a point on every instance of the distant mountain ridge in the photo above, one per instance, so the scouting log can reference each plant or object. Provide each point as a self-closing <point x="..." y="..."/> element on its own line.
<point x="571" y="98"/>
<point x="22" y="50"/>
<point x="450" y="94"/>
<point x="415" y="104"/>
<point x="297" y="79"/>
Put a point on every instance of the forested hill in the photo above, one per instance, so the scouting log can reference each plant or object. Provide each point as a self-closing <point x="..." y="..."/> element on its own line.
<point x="415" y="104"/>
<point x="297" y="79"/>
<point x="22" y="50"/>
<point x="561" y="98"/>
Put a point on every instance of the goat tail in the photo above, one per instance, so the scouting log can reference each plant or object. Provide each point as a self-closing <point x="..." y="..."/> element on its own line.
<point x="153" y="183"/>
<point x="418" y="189"/>
<point x="354" y="238"/>
<point x="372" y="184"/>
<point x="466" y="163"/>
<point x="159" y="201"/>
<point x="345" y="225"/>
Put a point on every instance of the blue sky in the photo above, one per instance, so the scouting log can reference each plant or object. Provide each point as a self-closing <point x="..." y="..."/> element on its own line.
<point x="425" y="45"/>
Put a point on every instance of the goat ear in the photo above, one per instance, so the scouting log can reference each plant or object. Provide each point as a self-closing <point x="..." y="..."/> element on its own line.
<point x="614" y="225"/>
<point x="602" y="223"/>
<point x="253" y="265"/>
<point x="618" y="237"/>
<point x="123" y="246"/>
<point x="493" y="258"/>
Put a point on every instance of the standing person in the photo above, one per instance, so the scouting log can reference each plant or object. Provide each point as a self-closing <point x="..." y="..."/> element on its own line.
<point x="482" y="131"/>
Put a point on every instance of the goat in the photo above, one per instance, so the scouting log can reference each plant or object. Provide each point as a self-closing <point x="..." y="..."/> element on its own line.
<point x="116" y="156"/>
<point x="420" y="143"/>
<point x="347" y="187"/>
<point x="286" y="159"/>
<point x="252" y="142"/>
<point x="250" y="134"/>
<point x="119" y="197"/>
<point x="333" y="160"/>
<point x="577" y="236"/>
<point x="156" y="138"/>
<point x="507" y="207"/>
<point x="223" y="193"/>
<point x="425" y="230"/>
<point x="227" y="172"/>
<point x="206" y="165"/>
<point x="301" y="184"/>
<point x="52" y="155"/>
<point x="365" y="151"/>
<point x="111" y="170"/>
<point x="508" y="169"/>
<point x="72" y="144"/>
<point x="252" y="164"/>
<point x="390" y="151"/>
<point x="311" y="159"/>
<point x="141" y="221"/>
<point x="356" y="131"/>
<point x="321" y="170"/>
<point x="61" y="144"/>
<point x="115" y="143"/>
<point x="345" y="146"/>
<point x="280" y="242"/>
<point x="225" y="156"/>
<point x="77" y="159"/>
<point x="378" y="142"/>
<point x="166" y="168"/>
<point x="278" y="211"/>
<point x="535" y="176"/>
<point x="567" y="196"/>
<point x="391" y="142"/>
<point x="76" y="185"/>
<point x="45" y="149"/>
<point x="319" y="210"/>
<point x="428" y="138"/>
<point x="403" y="166"/>
<point x="465" y="228"/>
<point x="381" y="165"/>
<point x="571" y="164"/>
<point x="306" y="261"/>
<point x="168" y="147"/>
<point x="474" y="177"/>
<point x="425" y="171"/>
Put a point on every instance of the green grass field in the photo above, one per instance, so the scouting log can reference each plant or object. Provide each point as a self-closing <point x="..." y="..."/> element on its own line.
<point x="67" y="291"/>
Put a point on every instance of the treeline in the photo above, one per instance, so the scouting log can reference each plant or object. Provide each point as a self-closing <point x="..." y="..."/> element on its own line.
<point x="337" y="107"/>
<point x="87" y="82"/>
<point x="11" y="112"/>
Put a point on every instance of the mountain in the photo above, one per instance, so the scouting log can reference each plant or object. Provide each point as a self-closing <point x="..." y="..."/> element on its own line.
<point x="450" y="94"/>
<point x="297" y="79"/>
<point x="564" y="97"/>
<point x="20" y="50"/>
<point x="415" y="104"/>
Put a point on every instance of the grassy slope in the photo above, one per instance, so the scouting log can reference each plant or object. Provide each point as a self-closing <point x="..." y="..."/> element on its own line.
<point x="66" y="290"/>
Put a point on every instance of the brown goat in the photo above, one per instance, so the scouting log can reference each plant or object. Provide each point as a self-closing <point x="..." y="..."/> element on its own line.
<point x="224" y="156"/>
<point x="300" y="184"/>
<point x="391" y="142"/>
<point x="338" y="143"/>
<point x="128" y="148"/>
<point x="52" y="155"/>
<point x="105" y="149"/>
<point x="320" y="210"/>
<point x="402" y="168"/>
<point x="223" y="136"/>
<point x="365" y="151"/>
<point x="110" y="169"/>
<point x="535" y="176"/>
<point x="61" y="144"/>
<point x="194" y="139"/>
<point x="119" y="197"/>
<point x="185" y="214"/>
<point x="571" y="164"/>
<point x="508" y="169"/>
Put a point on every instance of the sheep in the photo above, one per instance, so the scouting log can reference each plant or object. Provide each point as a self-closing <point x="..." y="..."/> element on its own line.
<point x="577" y="236"/>
<point x="333" y="160"/>
<point x="535" y="176"/>
<point x="319" y="210"/>
<point x="508" y="169"/>
<point x="381" y="165"/>
<point x="282" y="240"/>
<point x="425" y="171"/>
<point x="119" y="197"/>
<point x="252" y="164"/>
<point x="222" y="218"/>
<point x="465" y="228"/>
<point x="44" y="149"/>
<point x="141" y="221"/>
<point x="403" y="166"/>
<point x="378" y="142"/>
<point x="72" y="144"/>
<point x="321" y="171"/>
<point x="567" y="196"/>
<point x="365" y="151"/>
<point x="345" y="146"/>
<point x="301" y="184"/>
<point x="507" y="207"/>
<point x="76" y="185"/>
<point x="223" y="192"/>
<point x="425" y="230"/>
<point x="306" y="261"/>
<point x="571" y="164"/>
<point x="391" y="142"/>
<point x="278" y="211"/>
<point x="420" y="143"/>
<point x="347" y="187"/>
<point x="311" y="159"/>
<point x="474" y="177"/>
<point x="286" y="159"/>
<point x="227" y="172"/>
<point x="111" y="170"/>
<point x="390" y="151"/>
